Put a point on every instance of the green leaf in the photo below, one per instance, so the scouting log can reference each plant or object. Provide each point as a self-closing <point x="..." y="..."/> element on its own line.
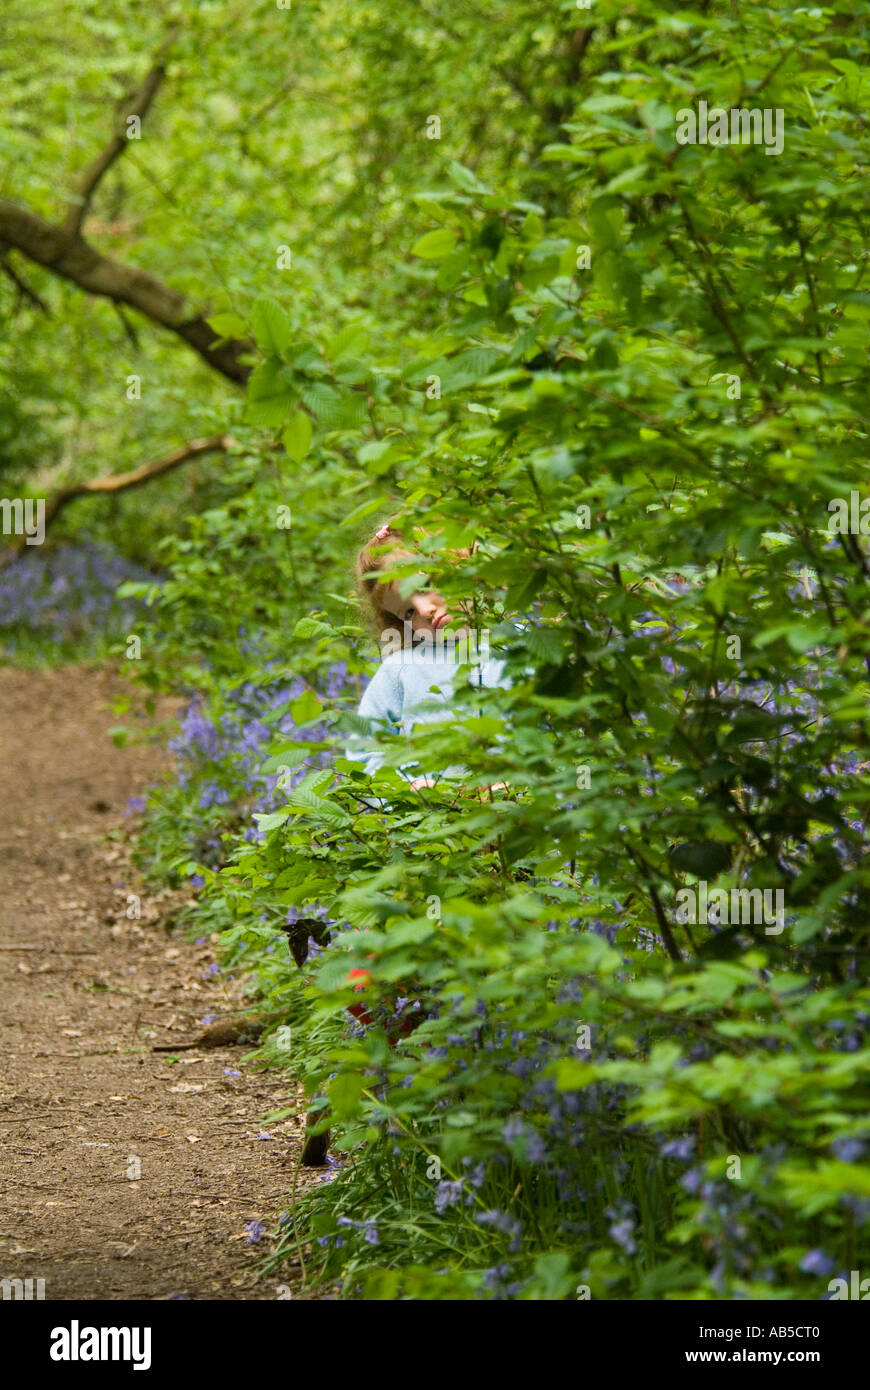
<point x="351" y="341"/>
<point x="434" y="245"/>
<point x="296" y="435"/>
<point x="306" y="708"/>
<point x="270" y="395"/>
<point x="552" y="1277"/>
<point x="312" y="627"/>
<point x="326" y="403"/>
<point x="345" y="1092"/>
<point x="291" y="757"/>
<point x="572" y="1075"/>
<point x="228" y="326"/>
<point x="465" y="178"/>
<point x="469" y="367"/>
<point x="273" y="330"/>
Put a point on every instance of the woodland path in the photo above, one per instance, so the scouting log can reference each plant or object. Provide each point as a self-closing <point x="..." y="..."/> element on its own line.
<point x="85" y="1105"/>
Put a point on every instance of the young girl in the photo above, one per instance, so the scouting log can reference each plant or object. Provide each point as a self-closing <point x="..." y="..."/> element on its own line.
<point x="400" y="695"/>
<point x="423" y="645"/>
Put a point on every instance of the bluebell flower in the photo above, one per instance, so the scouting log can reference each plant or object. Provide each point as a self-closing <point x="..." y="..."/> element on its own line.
<point x="679" y="1148"/>
<point x="494" y="1277"/>
<point x="849" y="1150"/>
<point x="623" y="1233"/>
<point x="505" y="1223"/>
<point x="447" y="1192"/>
<point x="477" y="1174"/>
<point x="536" y="1149"/>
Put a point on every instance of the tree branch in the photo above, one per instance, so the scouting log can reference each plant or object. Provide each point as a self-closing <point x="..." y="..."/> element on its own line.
<point x="71" y="257"/>
<point x="119" y="482"/>
<point x="24" y="290"/>
<point x="138" y="105"/>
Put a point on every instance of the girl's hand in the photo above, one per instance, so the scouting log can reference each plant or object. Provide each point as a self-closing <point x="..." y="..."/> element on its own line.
<point x="493" y="787"/>
<point x="419" y="782"/>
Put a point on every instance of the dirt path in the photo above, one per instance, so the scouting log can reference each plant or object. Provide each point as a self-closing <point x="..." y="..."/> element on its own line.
<point x="124" y="1175"/>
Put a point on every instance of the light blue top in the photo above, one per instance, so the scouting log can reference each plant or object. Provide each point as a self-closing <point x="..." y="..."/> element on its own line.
<point x="415" y="686"/>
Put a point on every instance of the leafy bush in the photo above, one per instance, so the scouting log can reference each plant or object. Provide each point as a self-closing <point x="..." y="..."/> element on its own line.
<point x="638" y="379"/>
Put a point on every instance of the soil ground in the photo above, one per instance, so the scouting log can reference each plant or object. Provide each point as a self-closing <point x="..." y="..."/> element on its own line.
<point x="125" y="1174"/>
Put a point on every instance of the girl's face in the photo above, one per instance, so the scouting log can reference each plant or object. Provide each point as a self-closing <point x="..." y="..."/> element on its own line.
<point x="425" y="610"/>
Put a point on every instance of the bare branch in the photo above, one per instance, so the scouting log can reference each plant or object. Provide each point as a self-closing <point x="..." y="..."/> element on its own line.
<point x="138" y="106"/>
<point x="24" y="290"/>
<point x="119" y="482"/>
<point x="129" y="328"/>
<point x="74" y="259"/>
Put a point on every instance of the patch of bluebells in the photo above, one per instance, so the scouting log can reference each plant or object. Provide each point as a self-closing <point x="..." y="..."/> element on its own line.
<point x="336" y="1241"/>
<point x="333" y="1167"/>
<point x="449" y="1192"/>
<point x="682" y="1148"/>
<point x="849" y="1150"/>
<point x="622" y="1226"/>
<point x="368" y="1228"/>
<point x="516" y="1131"/>
<point x="505" y="1224"/>
<point x="478" y="1173"/>
<point x="220" y="752"/>
<point x="65" y="596"/>
<point x="816" y="1262"/>
<point x="497" y="1281"/>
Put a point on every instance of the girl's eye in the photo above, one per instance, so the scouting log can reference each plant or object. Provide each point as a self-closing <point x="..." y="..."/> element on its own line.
<point x="409" y="613"/>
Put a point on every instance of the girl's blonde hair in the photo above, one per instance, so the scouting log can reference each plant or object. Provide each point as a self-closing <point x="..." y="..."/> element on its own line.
<point x="383" y="550"/>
